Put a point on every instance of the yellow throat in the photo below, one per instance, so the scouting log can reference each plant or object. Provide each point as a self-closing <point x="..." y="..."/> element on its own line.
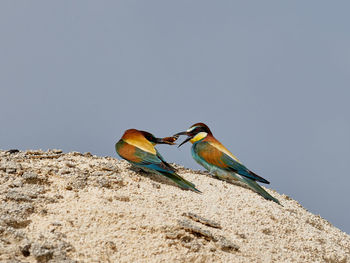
<point x="198" y="137"/>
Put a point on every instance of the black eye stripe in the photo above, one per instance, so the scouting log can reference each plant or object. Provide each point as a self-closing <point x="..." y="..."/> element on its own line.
<point x="197" y="130"/>
<point x="200" y="127"/>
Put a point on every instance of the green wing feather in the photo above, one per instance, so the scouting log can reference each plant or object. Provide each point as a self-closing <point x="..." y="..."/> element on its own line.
<point x="156" y="163"/>
<point x="214" y="156"/>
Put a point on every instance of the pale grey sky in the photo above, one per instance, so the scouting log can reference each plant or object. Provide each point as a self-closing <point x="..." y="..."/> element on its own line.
<point x="270" y="78"/>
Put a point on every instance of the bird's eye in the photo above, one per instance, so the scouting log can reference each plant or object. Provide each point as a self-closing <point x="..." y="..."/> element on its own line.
<point x="196" y="130"/>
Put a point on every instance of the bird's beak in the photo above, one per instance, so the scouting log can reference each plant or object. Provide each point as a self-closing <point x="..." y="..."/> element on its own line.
<point x="187" y="139"/>
<point x="167" y="140"/>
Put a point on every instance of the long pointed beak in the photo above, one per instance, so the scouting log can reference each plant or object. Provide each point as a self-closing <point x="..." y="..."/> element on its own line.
<point x="167" y="140"/>
<point x="181" y="133"/>
<point x="187" y="139"/>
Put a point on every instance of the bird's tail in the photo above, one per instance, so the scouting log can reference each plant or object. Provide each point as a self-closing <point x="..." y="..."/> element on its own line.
<point x="257" y="188"/>
<point x="183" y="183"/>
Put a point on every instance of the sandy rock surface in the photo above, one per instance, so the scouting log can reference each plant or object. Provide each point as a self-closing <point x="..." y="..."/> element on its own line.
<point x="75" y="207"/>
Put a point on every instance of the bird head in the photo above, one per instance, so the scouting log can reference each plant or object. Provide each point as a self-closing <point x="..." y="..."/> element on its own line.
<point x="195" y="133"/>
<point x="154" y="140"/>
<point x="141" y="135"/>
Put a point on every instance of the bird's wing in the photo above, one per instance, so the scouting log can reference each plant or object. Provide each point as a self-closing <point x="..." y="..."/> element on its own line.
<point x="140" y="157"/>
<point x="213" y="156"/>
<point x="127" y="151"/>
<point x="156" y="162"/>
<point x="164" y="162"/>
<point x="153" y="162"/>
<point x="134" y="154"/>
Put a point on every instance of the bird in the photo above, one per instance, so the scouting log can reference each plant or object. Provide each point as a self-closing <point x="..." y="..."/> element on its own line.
<point x="137" y="147"/>
<point x="213" y="156"/>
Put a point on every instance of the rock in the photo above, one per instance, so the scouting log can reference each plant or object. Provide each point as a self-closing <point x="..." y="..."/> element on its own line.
<point x="14" y="261"/>
<point x="117" y="180"/>
<point x="34" y="178"/>
<point x="18" y="196"/>
<point x="226" y="245"/>
<point x="14" y="222"/>
<point x="187" y="226"/>
<point x="57" y="151"/>
<point x="98" y="173"/>
<point x="42" y="253"/>
<point x="12" y="167"/>
<point x="35" y="152"/>
<point x="17" y="209"/>
<point x="70" y="164"/>
<point x="13" y="235"/>
<point x="25" y="194"/>
<point x="65" y="171"/>
<point x="30" y="177"/>
<point x="156" y="186"/>
<point x="109" y="167"/>
<point x="202" y="220"/>
<point x="12" y="151"/>
<point x="16" y="183"/>
<point x="116" y="211"/>
<point x="220" y="241"/>
<point x="111" y="245"/>
<point x="122" y="198"/>
<point x="77" y="182"/>
<point x="25" y="249"/>
<point x="103" y="182"/>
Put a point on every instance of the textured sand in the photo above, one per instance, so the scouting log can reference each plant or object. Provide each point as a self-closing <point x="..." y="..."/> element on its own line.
<point x="77" y="207"/>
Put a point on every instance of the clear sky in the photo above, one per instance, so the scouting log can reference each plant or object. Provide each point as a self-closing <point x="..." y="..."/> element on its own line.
<point x="270" y="78"/>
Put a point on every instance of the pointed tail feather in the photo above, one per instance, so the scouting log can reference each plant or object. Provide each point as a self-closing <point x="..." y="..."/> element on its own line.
<point x="257" y="188"/>
<point x="258" y="178"/>
<point x="181" y="181"/>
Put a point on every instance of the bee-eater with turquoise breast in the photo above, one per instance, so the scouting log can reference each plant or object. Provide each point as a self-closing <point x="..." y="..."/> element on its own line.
<point x="213" y="156"/>
<point x="137" y="147"/>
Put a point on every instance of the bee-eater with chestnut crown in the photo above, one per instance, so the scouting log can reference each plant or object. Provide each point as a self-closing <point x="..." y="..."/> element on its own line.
<point x="137" y="147"/>
<point x="213" y="156"/>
